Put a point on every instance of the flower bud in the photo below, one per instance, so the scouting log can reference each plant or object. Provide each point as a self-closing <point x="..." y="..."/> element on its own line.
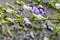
<point x="31" y="35"/>
<point x="27" y="23"/>
<point x="57" y="5"/>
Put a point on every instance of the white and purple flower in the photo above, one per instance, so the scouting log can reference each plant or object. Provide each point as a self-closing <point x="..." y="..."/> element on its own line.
<point x="39" y="10"/>
<point x="42" y="10"/>
<point x="57" y="5"/>
<point x="48" y="27"/>
<point x="27" y="23"/>
<point x="31" y="35"/>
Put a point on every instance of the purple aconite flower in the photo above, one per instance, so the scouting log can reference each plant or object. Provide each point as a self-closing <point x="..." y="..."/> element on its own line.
<point x="35" y="9"/>
<point x="42" y="10"/>
<point x="27" y="23"/>
<point x="48" y="27"/>
<point x="31" y="35"/>
<point x="39" y="10"/>
<point x="14" y="25"/>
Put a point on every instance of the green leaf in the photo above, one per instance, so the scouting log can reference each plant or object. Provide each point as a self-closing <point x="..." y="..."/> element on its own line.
<point x="20" y="28"/>
<point x="1" y="6"/>
<point x="9" y="5"/>
<point x="58" y="0"/>
<point x="3" y="9"/>
<point x="17" y="2"/>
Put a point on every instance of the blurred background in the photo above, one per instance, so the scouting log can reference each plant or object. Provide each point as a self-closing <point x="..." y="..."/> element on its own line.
<point x="22" y="35"/>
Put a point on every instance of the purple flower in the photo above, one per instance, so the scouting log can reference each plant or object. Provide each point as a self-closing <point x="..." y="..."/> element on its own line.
<point x="14" y="25"/>
<point x="31" y="35"/>
<point x="11" y="23"/>
<point x="35" y="9"/>
<point x="27" y="23"/>
<point x="48" y="27"/>
<point x="39" y="10"/>
<point x="42" y="10"/>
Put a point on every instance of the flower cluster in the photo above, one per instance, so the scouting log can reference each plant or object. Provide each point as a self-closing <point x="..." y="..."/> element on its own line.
<point x="39" y="10"/>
